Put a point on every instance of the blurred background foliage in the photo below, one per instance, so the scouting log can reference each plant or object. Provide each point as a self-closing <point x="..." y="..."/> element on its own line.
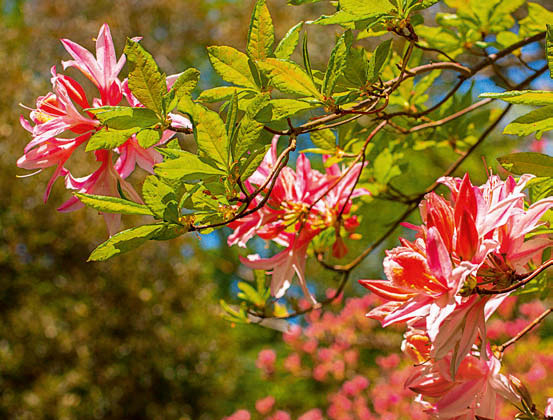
<point x="141" y="336"/>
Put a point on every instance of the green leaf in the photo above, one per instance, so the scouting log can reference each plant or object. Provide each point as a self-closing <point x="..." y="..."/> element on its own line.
<point x="248" y="136"/>
<point x="377" y="61"/>
<point x="232" y="65"/>
<point x="148" y="137"/>
<point x="222" y="93"/>
<point x="539" y="120"/>
<point x="336" y="63"/>
<point x="528" y="163"/>
<point x="324" y="139"/>
<point x="549" y="49"/>
<point x="277" y="109"/>
<point x="261" y="35"/>
<point x="106" y="138"/>
<point x="250" y="294"/>
<point x="125" y="117"/>
<point x="525" y="97"/>
<point x="305" y="56"/>
<point x="232" y="114"/>
<point x="160" y="199"/>
<point x="130" y="239"/>
<point x="186" y="167"/>
<point x="146" y="81"/>
<point x="366" y="7"/>
<point x="536" y="21"/>
<point x="184" y="85"/>
<point x="288" y="44"/>
<point x="210" y="134"/>
<point x="253" y="161"/>
<point x="289" y="78"/>
<point x="115" y="205"/>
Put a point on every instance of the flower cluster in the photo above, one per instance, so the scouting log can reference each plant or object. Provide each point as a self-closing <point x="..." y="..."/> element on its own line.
<point x="473" y="242"/>
<point x="301" y="204"/>
<point x="60" y="124"/>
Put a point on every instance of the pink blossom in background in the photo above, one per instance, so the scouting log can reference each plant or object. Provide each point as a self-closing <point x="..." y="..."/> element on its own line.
<point x="266" y="361"/>
<point x="265" y="405"/>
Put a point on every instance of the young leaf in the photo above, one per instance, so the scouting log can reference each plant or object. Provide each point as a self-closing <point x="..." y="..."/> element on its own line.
<point x="289" y="78"/>
<point x="539" y="120"/>
<point x="116" y="205"/>
<point x="288" y="44"/>
<point x="232" y="65"/>
<point x="130" y="239"/>
<point x="184" y="85"/>
<point x="366" y="7"/>
<point x="148" y="137"/>
<point x="305" y="55"/>
<point x="186" y="167"/>
<point x="160" y="199"/>
<point x="377" y="60"/>
<point x="146" y="81"/>
<point x="528" y="163"/>
<point x="107" y="138"/>
<point x="261" y="35"/>
<point x="549" y="49"/>
<point x="252" y="163"/>
<point x="524" y="97"/>
<point x="336" y="63"/>
<point x="223" y="93"/>
<point x="248" y="136"/>
<point x="125" y="117"/>
<point x="277" y="109"/>
<point x="232" y="114"/>
<point x="324" y="139"/>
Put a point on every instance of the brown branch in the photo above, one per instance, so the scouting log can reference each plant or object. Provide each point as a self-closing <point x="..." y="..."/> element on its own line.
<point x="525" y="331"/>
<point x="184" y="130"/>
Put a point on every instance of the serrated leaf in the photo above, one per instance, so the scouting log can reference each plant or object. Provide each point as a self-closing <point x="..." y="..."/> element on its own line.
<point x="324" y="139"/>
<point x="261" y="34"/>
<point x="539" y="120"/>
<point x="148" y="137"/>
<point x="336" y="63"/>
<point x="184" y="85"/>
<point x="146" y="81"/>
<point x="288" y="44"/>
<point x="524" y="97"/>
<point x="114" y="205"/>
<point x="549" y="49"/>
<point x="528" y="163"/>
<point x="130" y="239"/>
<point x="186" y="167"/>
<point x="289" y="78"/>
<point x="377" y="61"/>
<point x="106" y="138"/>
<point x="232" y="65"/>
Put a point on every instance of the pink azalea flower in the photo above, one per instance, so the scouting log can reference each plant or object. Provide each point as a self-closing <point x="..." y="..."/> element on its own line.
<point x="549" y="408"/>
<point x="59" y="125"/>
<point x="473" y="391"/>
<point x="302" y="203"/>
<point x="477" y="235"/>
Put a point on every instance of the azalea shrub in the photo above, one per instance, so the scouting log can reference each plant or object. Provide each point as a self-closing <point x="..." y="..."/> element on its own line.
<point x="324" y="165"/>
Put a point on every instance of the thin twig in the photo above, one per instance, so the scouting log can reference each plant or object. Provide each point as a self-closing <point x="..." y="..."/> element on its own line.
<point x="525" y="331"/>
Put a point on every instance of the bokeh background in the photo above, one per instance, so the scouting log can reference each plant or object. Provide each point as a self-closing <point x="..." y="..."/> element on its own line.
<point x="140" y="336"/>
